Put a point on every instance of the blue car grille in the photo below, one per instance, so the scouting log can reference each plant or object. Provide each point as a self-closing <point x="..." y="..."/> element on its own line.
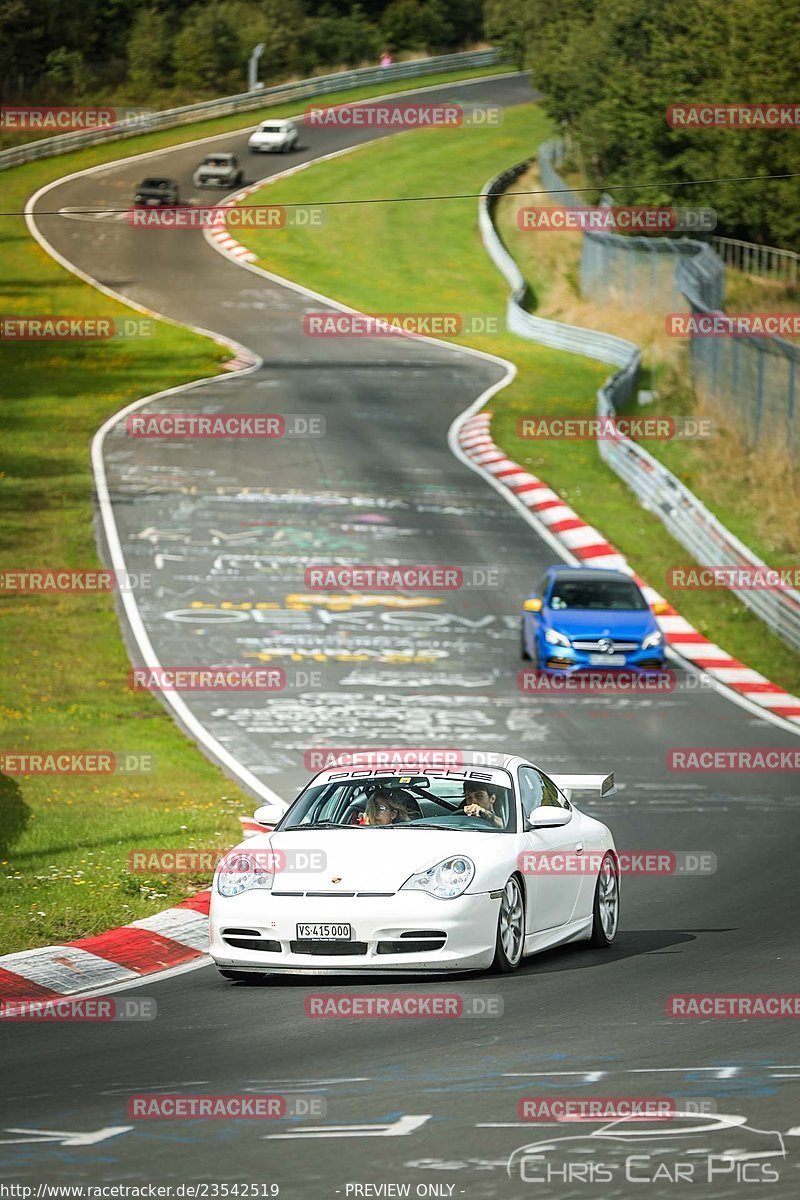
<point x="591" y="644"/>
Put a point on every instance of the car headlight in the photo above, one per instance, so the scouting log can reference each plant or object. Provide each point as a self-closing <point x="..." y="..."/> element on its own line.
<point x="239" y="872"/>
<point x="554" y="638"/>
<point x="446" y="880"/>
<point x="653" y="639"/>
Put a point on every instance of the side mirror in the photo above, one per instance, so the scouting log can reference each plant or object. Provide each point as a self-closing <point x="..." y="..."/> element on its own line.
<point x="533" y="605"/>
<point x="268" y="815"/>
<point x="549" y="816"/>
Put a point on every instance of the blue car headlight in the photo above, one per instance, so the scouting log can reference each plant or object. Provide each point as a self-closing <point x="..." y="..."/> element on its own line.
<point x="653" y="639"/>
<point x="554" y="638"/>
<point x="446" y="880"/>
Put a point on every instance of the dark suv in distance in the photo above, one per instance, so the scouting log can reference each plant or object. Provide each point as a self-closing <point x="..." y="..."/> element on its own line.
<point x="155" y="190"/>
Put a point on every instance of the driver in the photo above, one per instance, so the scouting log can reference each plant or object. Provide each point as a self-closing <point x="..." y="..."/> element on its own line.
<point x="384" y="809"/>
<point x="479" y="802"/>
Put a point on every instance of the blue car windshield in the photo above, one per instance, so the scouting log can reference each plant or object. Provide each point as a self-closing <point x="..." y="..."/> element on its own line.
<point x="615" y="595"/>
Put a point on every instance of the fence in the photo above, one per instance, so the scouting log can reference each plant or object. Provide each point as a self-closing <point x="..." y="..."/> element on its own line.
<point x="752" y="377"/>
<point x="686" y="518"/>
<point x="635" y="270"/>
<point x="303" y="89"/>
<point x="766" y="262"/>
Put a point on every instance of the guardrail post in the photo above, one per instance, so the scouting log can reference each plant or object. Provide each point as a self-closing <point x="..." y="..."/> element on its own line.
<point x="759" y="392"/>
<point x="791" y="431"/>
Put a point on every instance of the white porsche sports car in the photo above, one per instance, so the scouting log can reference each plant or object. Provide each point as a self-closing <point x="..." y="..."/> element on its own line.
<point x="444" y="869"/>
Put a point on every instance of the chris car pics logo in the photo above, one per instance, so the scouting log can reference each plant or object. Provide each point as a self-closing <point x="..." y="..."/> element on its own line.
<point x="690" y="1148"/>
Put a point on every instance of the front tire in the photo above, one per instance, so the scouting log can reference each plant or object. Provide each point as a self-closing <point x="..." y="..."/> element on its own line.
<point x="510" y="929"/>
<point x="605" y="921"/>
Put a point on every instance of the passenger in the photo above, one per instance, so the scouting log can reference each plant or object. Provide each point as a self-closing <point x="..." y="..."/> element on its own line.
<point x="384" y="809"/>
<point x="479" y="802"/>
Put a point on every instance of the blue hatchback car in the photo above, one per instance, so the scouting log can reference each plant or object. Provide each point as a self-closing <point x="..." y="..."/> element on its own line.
<point x="583" y="617"/>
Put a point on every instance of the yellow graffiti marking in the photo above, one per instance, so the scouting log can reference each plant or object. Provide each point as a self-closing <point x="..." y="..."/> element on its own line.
<point x="246" y="604"/>
<point x="342" y="657"/>
<point x="345" y="601"/>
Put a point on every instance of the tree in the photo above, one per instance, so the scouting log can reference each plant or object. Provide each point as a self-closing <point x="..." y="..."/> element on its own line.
<point x="65" y="72"/>
<point x="206" y="53"/>
<point x="150" y="51"/>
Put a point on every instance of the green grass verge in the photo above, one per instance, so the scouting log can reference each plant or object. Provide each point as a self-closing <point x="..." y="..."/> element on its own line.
<point x="428" y="255"/>
<point x="64" y="841"/>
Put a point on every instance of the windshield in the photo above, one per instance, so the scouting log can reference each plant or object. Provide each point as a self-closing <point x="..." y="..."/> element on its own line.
<point x="156" y="183"/>
<point x="273" y="128"/>
<point x="216" y="160"/>
<point x="397" y="802"/>
<point x="609" y="594"/>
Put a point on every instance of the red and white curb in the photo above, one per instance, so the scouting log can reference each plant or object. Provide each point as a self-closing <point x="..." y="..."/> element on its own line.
<point x="590" y="548"/>
<point x="222" y="237"/>
<point x="172" y="938"/>
<point x="166" y="940"/>
<point x="241" y="361"/>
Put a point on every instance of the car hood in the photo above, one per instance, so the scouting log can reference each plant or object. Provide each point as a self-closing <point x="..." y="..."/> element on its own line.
<point x="601" y="623"/>
<point x="371" y="860"/>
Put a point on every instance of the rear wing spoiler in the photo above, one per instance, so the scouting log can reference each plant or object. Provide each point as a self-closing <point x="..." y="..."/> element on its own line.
<point x="603" y="784"/>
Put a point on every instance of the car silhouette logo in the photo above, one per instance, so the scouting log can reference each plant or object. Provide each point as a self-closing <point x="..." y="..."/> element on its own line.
<point x="605" y="646"/>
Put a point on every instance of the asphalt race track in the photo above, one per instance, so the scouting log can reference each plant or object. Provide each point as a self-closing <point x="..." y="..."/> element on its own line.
<point x="235" y="522"/>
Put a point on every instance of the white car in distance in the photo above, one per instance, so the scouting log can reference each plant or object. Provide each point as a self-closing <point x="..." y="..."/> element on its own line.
<point x="373" y="872"/>
<point x="276" y="136"/>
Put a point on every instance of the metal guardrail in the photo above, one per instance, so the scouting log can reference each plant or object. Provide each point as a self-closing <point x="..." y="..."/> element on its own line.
<point x="605" y="347"/>
<point x="303" y="89"/>
<point x="699" y="531"/>
<point x="768" y="262"/>
<point x="686" y="517"/>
